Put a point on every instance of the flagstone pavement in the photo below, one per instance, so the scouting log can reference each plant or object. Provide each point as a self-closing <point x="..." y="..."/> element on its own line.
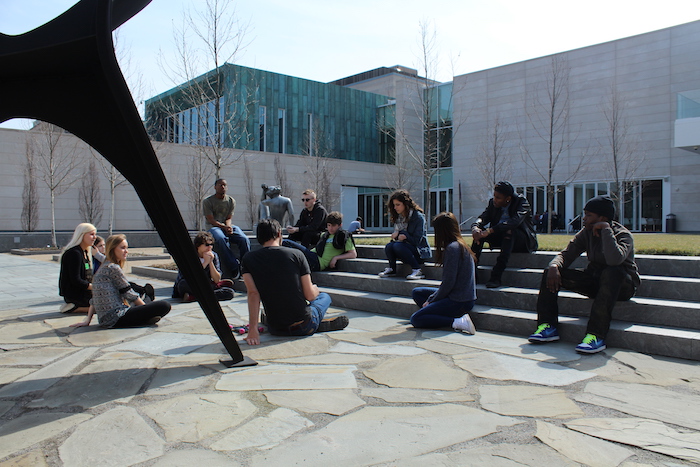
<point x="377" y="393"/>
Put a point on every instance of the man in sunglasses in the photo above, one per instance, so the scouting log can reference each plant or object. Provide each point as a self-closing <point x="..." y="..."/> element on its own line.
<point x="312" y="221"/>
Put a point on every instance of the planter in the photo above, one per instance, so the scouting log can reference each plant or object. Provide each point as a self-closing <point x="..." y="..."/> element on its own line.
<point x="22" y="252"/>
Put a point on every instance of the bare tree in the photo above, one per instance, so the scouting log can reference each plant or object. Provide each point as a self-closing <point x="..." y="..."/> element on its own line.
<point x="55" y="165"/>
<point x="115" y="179"/>
<point x="30" y="193"/>
<point x="624" y="159"/>
<point x="549" y="118"/>
<point x="320" y="166"/>
<point x="286" y="189"/>
<point x="206" y="40"/>
<point x="495" y="163"/>
<point x="251" y="199"/>
<point x="90" y="206"/>
<point x="196" y="187"/>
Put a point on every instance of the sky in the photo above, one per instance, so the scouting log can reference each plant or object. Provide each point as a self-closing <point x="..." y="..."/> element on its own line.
<point x="325" y="40"/>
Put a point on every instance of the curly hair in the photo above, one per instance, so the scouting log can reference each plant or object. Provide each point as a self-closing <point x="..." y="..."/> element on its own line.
<point x="404" y="197"/>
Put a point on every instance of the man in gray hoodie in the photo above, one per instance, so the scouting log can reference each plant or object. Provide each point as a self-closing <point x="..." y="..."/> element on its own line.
<point x="611" y="275"/>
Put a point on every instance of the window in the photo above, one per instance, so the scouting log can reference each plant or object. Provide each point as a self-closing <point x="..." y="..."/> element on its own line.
<point x="262" y="113"/>
<point x="310" y="122"/>
<point x="281" y="131"/>
<point x="387" y="134"/>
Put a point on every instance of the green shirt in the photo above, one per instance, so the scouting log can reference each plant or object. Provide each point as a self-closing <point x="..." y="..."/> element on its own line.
<point x="221" y="209"/>
<point x="329" y="252"/>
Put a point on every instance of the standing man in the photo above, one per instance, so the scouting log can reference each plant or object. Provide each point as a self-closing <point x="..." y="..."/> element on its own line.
<point x="281" y="278"/>
<point x="218" y="211"/>
<point x="611" y="275"/>
<point x="312" y="221"/>
<point x="509" y="218"/>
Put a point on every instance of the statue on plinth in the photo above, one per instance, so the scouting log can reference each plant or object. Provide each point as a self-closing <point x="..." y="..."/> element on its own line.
<point x="275" y="206"/>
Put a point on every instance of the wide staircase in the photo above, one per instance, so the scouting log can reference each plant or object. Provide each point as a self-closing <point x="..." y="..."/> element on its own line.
<point x="662" y="319"/>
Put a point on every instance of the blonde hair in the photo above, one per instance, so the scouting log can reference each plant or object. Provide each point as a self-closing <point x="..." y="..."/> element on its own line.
<point x="113" y="242"/>
<point x="77" y="238"/>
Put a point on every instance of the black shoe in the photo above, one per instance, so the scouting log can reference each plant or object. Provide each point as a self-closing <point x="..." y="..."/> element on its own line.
<point x="153" y="320"/>
<point x="150" y="293"/>
<point x="333" y="324"/>
<point x="223" y="294"/>
<point x="493" y="283"/>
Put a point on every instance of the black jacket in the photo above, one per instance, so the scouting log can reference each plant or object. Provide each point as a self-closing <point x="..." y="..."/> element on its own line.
<point x="520" y="218"/>
<point x="314" y="220"/>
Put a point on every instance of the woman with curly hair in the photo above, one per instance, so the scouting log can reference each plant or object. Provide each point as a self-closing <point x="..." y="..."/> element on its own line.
<point x="409" y="241"/>
<point x="449" y="304"/>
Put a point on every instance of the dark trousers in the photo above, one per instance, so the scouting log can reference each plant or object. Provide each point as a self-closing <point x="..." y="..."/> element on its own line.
<point x="221" y="293"/>
<point x="605" y="285"/>
<point x="407" y="253"/>
<point x="508" y="241"/>
<point x="311" y="257"/>
<point x="139" y="315"/>
<point x="309" y="238"/>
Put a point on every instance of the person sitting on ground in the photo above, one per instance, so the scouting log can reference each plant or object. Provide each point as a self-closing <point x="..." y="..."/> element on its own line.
<point x="335" y="244"/>
<point x="312" y="221"/>
<point x="281" y="278"/>
<point x="409" y="241"/>
<point x="448" y="305"/>
<point x="611" y="275"/>
<point x="223" y="289"/>
<point x="114" y="302"/>
<point x="356" y="226"/>
<point x="218" y="211"/>
<point x="509" y="218"/>
<point x="98" y="253"/>
<point x="75" y="276"/>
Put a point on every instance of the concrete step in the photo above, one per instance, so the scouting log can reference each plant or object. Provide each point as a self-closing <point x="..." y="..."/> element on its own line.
<point x="654" y="265"/>
<point x="660" y="340"/>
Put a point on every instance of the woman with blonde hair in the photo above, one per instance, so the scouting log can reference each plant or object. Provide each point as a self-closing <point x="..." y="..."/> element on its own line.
<point x="448" y="305"/>
<point x="114" y="301"/>
<point x="75" y="277"/>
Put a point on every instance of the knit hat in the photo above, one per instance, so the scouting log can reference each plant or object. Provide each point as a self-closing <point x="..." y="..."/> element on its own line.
<point x="602" y="205"/>
<point x="505" y="188"/>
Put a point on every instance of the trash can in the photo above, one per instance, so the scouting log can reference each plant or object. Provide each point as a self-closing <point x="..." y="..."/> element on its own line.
<point x="671" y="223"/>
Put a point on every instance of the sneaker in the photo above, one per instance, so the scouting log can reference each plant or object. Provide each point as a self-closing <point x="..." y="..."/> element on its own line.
<point x="591" y="344"/>
<point x="544" y="333"/>
<point x="224" y="283"/>
<point x="153" y="320"/>
<point x="149" y="291"/>
<point x="388" y="272"/>
<point x="67" y="307"/>
<point x="464" y="324"/>
<point x="333" y="324"/>
<point x="223" y="294"/>
<point x="415" y="275"/>
<point x="188" y="298"/>
<point x="493" y="283"/>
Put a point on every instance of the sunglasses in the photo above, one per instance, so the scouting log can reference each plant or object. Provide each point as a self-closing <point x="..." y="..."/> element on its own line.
<point x="208" y="244"/>
<point x="306" y="199"/>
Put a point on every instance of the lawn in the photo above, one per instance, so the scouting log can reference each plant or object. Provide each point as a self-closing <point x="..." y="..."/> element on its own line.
<point x="644" y="243"/>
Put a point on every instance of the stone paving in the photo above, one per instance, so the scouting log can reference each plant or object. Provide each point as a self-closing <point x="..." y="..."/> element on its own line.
<point x="377" y="393"/>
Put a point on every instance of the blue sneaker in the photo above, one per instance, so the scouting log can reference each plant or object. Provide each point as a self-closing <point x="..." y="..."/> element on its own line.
<point x="544" y="333"/>
<point x="591" y="344"/>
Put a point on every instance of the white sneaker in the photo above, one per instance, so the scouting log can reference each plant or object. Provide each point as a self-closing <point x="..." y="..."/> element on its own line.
<point x="67" y="308"/>
<point x="464" y="324"/>
<point x="415" y="275"/>
<point x="388" y="272"/>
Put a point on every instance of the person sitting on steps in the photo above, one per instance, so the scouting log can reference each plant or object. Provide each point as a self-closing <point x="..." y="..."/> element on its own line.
<point x="335" y="244"/>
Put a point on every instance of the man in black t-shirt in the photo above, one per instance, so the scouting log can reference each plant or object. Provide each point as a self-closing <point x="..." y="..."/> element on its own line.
<point x="281" y="278"/>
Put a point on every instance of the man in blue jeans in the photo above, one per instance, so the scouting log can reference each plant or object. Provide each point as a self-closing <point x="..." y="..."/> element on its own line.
<point x="218" y="211"/>
<point x="281" y="278"/>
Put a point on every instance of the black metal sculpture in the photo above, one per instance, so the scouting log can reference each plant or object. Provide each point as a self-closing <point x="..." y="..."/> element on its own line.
<point x="65" y="73"/>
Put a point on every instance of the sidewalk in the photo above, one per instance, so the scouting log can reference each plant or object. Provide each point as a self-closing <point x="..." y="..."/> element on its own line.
<point x="377" y="393"/>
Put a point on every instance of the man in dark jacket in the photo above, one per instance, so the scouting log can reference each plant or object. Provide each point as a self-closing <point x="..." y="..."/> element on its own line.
<point x="312" y="221"/>
<point x="509" y="218"/>
<point x="611" y="275"/>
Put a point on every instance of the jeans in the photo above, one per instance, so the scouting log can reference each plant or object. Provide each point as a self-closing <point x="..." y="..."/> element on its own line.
<point x="605" y="285"/>
<point x="139" y="315"/>
<point x="311" y="257"/>
<point x="308" y="238"/>
<point x="318" y="307"/>
<point x="407" y="253"/>
<point x="508" y="242"/>
<point x="438" y="314"/>
<point x="223" y="243"/>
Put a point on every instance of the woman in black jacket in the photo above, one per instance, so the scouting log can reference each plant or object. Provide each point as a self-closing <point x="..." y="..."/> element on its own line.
<point x="75" y="278"/>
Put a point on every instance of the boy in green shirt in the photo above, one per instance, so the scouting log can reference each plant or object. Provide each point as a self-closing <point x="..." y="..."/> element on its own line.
<point x="335" y="244"/>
